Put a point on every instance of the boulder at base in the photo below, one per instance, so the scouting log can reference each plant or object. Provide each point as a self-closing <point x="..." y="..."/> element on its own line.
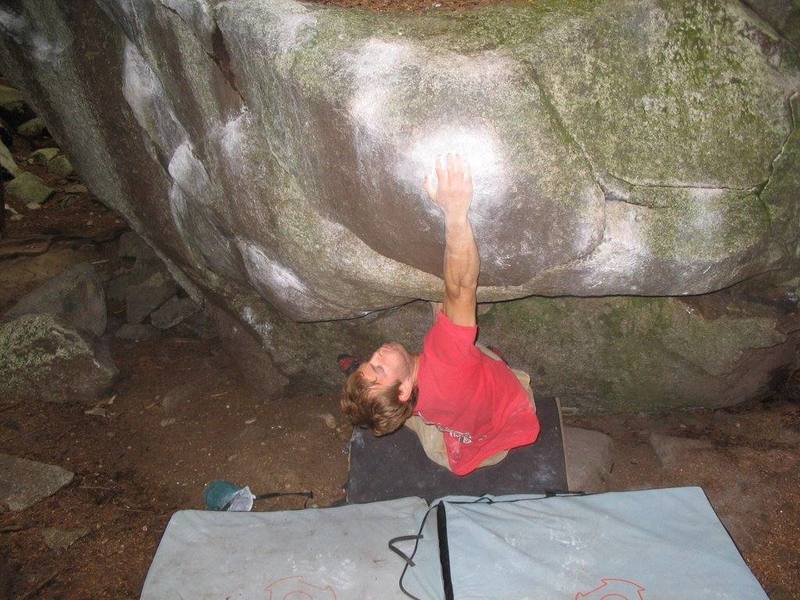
<point x="44" y="359"/>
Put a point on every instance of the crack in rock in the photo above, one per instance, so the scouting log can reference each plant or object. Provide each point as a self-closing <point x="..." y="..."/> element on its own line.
<point x="219" y="54"/>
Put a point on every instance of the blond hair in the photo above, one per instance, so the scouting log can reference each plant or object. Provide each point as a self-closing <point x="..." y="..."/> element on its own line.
<point x="377" y="407"/>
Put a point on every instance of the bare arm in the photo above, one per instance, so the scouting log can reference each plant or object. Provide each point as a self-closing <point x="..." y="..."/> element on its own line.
<point x="453" y="194"/>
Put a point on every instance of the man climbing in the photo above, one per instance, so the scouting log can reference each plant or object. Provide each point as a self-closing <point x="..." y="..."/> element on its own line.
<point x="467" y="407"/>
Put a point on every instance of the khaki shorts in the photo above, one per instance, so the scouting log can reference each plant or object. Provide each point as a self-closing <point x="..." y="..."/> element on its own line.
<point x="432" y="439"/>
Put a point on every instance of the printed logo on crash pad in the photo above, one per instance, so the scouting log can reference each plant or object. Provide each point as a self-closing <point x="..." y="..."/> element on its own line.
<point x="618" y="589"/>
<point x="295" y="588"/>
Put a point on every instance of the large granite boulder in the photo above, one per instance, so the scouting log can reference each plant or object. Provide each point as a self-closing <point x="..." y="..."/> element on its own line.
<point x="271" y="151"/>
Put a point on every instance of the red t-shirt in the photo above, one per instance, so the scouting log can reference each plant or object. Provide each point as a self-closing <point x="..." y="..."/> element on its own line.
<point x="477" y="402"/>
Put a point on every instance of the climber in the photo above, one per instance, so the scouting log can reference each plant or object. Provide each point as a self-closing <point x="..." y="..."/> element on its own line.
<point x="465" y="404"/>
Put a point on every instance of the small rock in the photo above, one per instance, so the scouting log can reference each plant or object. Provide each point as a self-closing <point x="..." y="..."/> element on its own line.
<point x="24" y="482"/>
<point x="7" y="162"/>
<point x="76" y="295"/>
<point x="145" y="297"/>
<point x="33" y="206"/>
<point x="169" y="421"/>
<point x="674" y="451"/>
<point x="590" y="458"/>
<point x="17" y="217"/>
<point x="97" y="411"/>
<point x="42" y="156"/>
<point x="172" y="312"/>
<point x="136" y="332"/>
<point x="61" y="539"/>
<point x="61" y="166"/>
<point x="76" y="188"/>
<point x="32" y="128"/>
<point x="27" y="187"/>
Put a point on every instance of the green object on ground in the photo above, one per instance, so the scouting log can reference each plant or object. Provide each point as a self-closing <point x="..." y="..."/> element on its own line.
<point x="218" y="494"/>
<point x="29" y="188"/>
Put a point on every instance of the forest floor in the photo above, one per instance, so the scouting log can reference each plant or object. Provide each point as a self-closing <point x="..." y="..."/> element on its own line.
<point x="179" y="416"/>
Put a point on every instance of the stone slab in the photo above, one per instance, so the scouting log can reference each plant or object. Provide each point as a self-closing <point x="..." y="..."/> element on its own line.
<point x="24" y="482"/>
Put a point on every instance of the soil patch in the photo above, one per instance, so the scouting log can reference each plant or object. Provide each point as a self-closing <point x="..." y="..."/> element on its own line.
<point x="416" y="5"/>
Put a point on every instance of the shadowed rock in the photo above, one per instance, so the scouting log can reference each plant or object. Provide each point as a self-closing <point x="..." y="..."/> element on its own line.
<point x="76" y="296"/>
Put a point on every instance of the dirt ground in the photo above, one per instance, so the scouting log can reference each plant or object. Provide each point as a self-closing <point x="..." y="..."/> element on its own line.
<point x="417" y="5"/>
<point x="179" y="416"/>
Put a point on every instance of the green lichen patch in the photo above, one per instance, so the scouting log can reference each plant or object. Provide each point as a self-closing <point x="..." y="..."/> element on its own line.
<point x="43" y="360"/>
<point x="713" y="224"/>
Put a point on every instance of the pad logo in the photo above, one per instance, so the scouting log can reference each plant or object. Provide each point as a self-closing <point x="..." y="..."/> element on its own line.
<point x="294" y="588"/>
<point x="613" y="589"/>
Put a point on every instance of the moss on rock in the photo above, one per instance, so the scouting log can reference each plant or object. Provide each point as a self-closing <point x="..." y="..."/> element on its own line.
<point x="632" y="354"/>
<point x="41" y="359"/>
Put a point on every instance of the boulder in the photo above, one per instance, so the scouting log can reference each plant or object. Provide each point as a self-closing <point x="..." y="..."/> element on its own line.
<point x="29" y="188"/>
<point x="172" y="312"/>
<point x="626" y="182"/>
<point x="32" y="128"/>
<point x="76" y="296"/>
<point x="44" y="360"/>
<point x="272" y="151"/>
<point x="24" y="482"/>
<point x="143" y="298"/>
<point x="589" y="458"/>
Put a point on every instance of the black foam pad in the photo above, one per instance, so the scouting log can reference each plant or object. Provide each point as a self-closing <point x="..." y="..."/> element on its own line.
<point x="395" y="466"/>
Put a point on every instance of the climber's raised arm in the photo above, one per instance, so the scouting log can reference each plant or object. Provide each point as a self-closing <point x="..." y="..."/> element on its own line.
<point x="453" y="194"/>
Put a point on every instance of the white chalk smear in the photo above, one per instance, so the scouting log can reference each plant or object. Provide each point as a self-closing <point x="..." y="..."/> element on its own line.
<point x="148" y="100"/>
<point x="189" y="173"/>
<point x="274" y="280"/>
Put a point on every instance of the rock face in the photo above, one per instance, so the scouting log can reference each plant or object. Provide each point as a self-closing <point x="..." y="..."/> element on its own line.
<point x="272" y="151"/>
<point x="42" y="359"/>
<point x="627" y="354"/>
